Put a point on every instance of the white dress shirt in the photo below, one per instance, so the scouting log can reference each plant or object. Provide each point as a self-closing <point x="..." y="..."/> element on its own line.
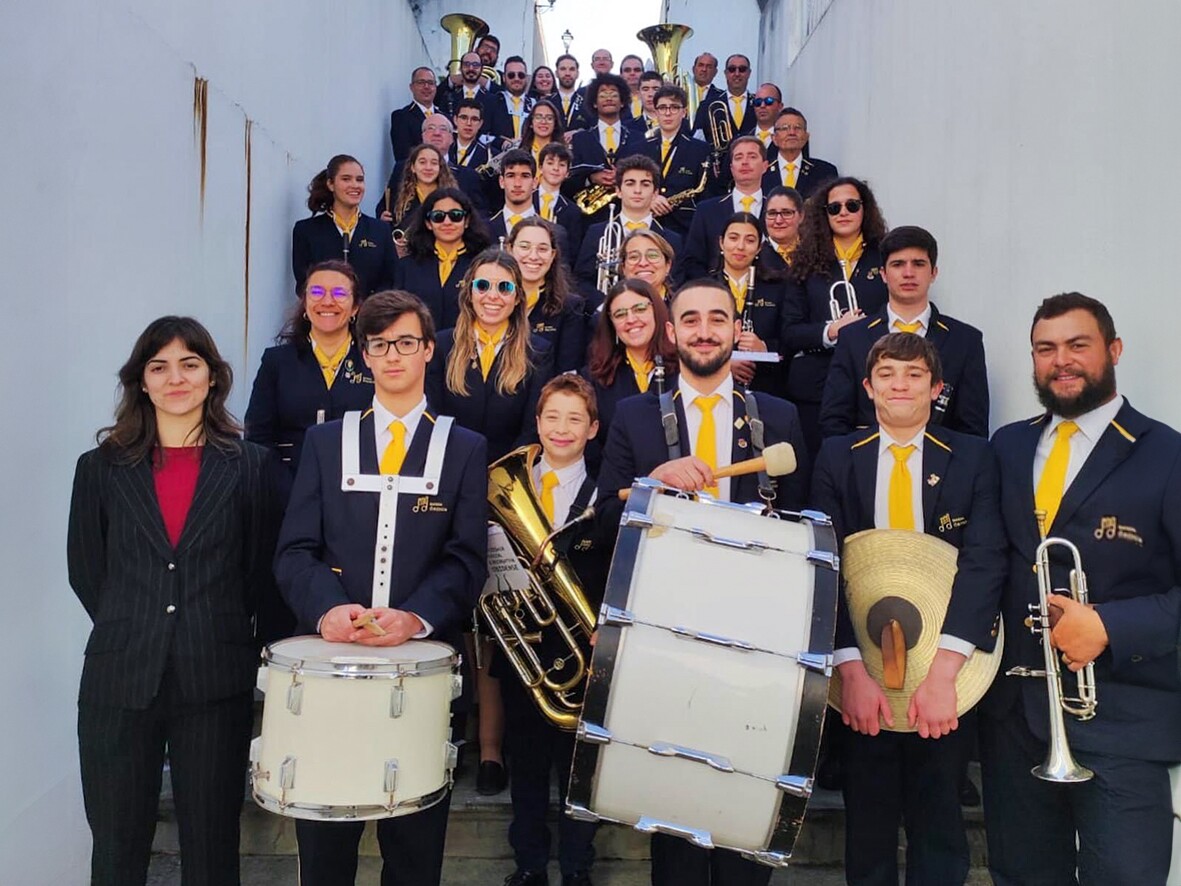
<point x="756" y="208"/>
<point x="784" y="163"/>
<point x="1091" y="426"/>
<point x="617" y="131"/>
<point x="723" y="414"/>
<point x="527" y="212"/>
<point x="570" y="480"/>
<point x="625" y="220"/>
<point x="924" y="318"/>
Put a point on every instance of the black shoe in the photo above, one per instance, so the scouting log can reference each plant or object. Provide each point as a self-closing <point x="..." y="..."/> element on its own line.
<point x="969" y="796"/>
<point x="582" y="879"/>
<point x="525" y="878"/>
<point x="492" y="779"/>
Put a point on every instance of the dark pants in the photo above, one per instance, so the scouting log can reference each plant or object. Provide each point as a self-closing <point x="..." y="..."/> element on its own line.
<point x="411" y="849"/>
<point x="809" y="414"/>
<point x="900" y="778"/>
<point x="677" y="862"/>
<point x="536" y="748"/>
<point x="122" y="756"/>
<point x="1122" y="818"/>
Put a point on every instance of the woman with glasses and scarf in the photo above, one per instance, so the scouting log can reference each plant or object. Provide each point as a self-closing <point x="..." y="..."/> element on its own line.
<point x="839" y="239"/>
<point x="440" y="243"/>
<point x="554" y="312"/>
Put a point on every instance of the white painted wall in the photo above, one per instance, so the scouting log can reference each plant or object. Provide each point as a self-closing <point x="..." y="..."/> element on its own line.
<point x="103" y="233"/>
<point x="721" y="27"/>
<point x="512" y="23"/>
<point x="1035" y="140"/>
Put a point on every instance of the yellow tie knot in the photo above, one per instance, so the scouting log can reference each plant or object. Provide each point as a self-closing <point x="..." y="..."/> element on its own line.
<point x="609" y="137"/>
<point x="1052" y="486"/>
<point x="736" y="100"/>
<point x="488" y="342"/>
<point x="634" y="226"/>
<point x="901" y="453"/>
<point x="747" y="203"/>
<point x="901" y="501"/>
<point x="908" y="327"/>
<point x="514" y="219"/>
<point x="642" y="370"/>
<point x="790" y="175"/>
<point x="395" y="451"/>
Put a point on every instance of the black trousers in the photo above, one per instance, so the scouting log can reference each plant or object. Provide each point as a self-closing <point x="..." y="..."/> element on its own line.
<point x="122" y="756"/>
<point x="411" y="849"/>
<point x="1114" y="830"/>
<point x="677" y="862"/>
<point x="536" y="749"/>
<point x="900" y="778"/>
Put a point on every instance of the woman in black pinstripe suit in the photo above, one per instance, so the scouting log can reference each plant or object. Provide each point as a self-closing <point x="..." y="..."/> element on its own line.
<point x="170" y="540"/>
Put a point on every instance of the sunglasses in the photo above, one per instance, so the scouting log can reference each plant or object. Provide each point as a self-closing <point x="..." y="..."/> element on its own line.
<point x="764" y="102"/>
<point x="514" y="75"/>
<point x="436" y="216"/>
<point x="834" y="208"/>
<point x="504" y="287"/>
<point x="319" y="292"/>
<point x="737" y="69"/>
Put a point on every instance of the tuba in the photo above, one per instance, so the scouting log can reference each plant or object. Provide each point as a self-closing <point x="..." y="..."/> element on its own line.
<point x="545" y="630"/>
<point x="665" y="41"/>
<point x="465" y="30"/>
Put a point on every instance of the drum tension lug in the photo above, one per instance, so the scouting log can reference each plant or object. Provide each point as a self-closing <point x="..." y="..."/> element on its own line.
<point x="450" y="756"/>
<point x="825" y="558"/>
<point x="814" y="661"/>
<point x="696" y="836"/>
<point x="391" y="778"/>
<point x="770" y="859"/>
<point x="295" y="695"/>
<point x="456" y="686"/>
<point x="286" y="780"/>
<point x="637" y="519"/>
<point x="593" y="734"/>
<point x="579" y="812"/>
<point x="795" y="785"/>
<point x="397" y="700"/>
<point x="615" y="616"/>
<point x="818" y="517"/>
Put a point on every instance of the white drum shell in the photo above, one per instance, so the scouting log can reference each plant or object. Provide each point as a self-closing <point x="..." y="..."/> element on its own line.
<point x="340" y="742"/>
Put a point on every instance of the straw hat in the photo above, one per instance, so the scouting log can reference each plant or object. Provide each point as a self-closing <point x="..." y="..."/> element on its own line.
<point x="907" y="576"/>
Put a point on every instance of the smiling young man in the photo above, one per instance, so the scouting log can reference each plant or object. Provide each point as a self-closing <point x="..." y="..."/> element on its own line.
<point x="713" y="431"/>
<point x="508" y="109"/>
<point x="906" y="473"/>
<point x="325" y="562"/>
<point x="909" y="254"/>
<point x="1096" y="472"/>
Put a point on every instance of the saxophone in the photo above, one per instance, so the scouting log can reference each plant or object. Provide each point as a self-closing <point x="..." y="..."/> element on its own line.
<point x="681" y="196"/>
<point x="592" y="198"/>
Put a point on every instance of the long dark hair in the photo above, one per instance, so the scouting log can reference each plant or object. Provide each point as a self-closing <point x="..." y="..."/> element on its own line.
<point x="606" y="353"/>
<point x="740" y="218"/>
<point x="420" y="241"/>
<point x="815" y="254"/>
<point x="319" y="194"/>
<point x="133" y="436"/>
<point x="298" y="327"/>
<point x="556" y="292"/>
<point x="558" y="137"/>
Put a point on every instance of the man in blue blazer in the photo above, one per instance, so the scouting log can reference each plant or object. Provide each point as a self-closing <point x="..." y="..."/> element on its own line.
<point x="682" y="160"/>
<point x="704" y="327"/>
<point x="326" y="565"/>
<point x="908" y="267"/>
<point x="1097" y="473"/>
<point x="861" y="480"/>
<point x="605" y="139"/>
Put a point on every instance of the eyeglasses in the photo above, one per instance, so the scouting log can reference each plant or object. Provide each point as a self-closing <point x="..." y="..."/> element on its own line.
<point x="651" y="256"/>
<point x="764" y="102"/>
<point x="504" y="287"/>
<point x="436" y="216"/>
<point x="737" y="69"/>
<point x="834" y="208"/>
<point x="669" y="109"/>
<point x="337" y="292"/>
<point x="782" y="213"/>
<point x="424" y="83"/>
<point x="639" y="309"/>
<point x="405" y="345"/>
<point x="468" y="118"/>
<point x="479" y="64"/>
<point x="790" y="127"/>
<point x="514" y="75"/>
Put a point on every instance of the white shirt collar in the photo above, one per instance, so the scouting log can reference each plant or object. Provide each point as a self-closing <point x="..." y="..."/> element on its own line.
<point x="566" y="475"/>
<point x="382" y="418"/>
<point x="885" y="441"/>
<point x="646" y="221"/>
<point x="923" y="318"/>
<point x="736" y="200"/>
<point x="690" y="393"/>
<point x="1091" y="424"/>
<point x="427" y="110"/>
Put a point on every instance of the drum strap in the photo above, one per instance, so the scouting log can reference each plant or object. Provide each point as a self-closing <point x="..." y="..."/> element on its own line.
<point x="668" y="418"/>
<point x="388" y="487"/>
<point x="758" y="443"/>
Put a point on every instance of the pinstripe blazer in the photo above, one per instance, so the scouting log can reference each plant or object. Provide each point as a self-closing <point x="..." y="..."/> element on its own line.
<point x="156" y="607"/>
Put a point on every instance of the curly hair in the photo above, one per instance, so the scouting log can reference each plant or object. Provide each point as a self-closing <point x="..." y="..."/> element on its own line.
<point x="815" y="254"/>
<point x="407" y="187"/>
<point x="420" y="241"/>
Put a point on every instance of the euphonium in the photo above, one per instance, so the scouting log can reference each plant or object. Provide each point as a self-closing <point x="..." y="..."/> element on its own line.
<point x="465" y="30"/>
<point x="544" y="631"/>
<point x="1060" y="765"/>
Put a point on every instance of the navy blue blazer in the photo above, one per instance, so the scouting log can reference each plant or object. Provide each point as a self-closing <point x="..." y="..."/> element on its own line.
<point x="421" y="276"/>
<point x="1123" y="511"/>
<point x="289" y="392"/>
<point x="477" y="155"/>
<point x="506" y="420"/>
<point x="681" y="172"/>
<point x="812" y="173"/>
<point x="963" y="405"/>
<point x="370" y="253"/>
<point x="763" y="311"/>
<point x="405" y="130"/>
<point x="749" y="121"/>
<point x="465" y="179"/>
<point x="325" y="551"/>
<point x="636" y="446"/>
<point x="961" y="507"/>
<point x="498" y="121"/>
<point x="157" y="608"/>
<point x="574" y="119"/>
<point x="702" y="255"/>
<point x="569" y="218"/>
<point x="449" y="96"/>
<point x="608" y="397"/>
<point x="586" y="269"/>
<point x="806" y="312"/>
<point x="589" y="155"/>
<point x="563" y="332"/>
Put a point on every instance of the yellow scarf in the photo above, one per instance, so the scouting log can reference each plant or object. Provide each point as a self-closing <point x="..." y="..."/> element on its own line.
<point x="421" y="194"/>
<point x="488" y="342"/>
<point x="738" y="288"/>
<point x="347" y="225"/>
<point x="848" y="257"/>
<point x="330" y="363"/>
<point x="447" y="261"/>
<point x="641" y="371"/>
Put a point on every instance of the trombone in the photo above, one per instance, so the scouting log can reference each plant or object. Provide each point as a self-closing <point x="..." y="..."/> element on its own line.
<point x="834" y="303"/>
<point x="1059" y="765"/>
<point x="721" y="133"/>
<point x="608" y="253"/>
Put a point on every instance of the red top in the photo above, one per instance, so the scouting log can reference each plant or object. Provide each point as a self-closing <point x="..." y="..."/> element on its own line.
<point x="175" y="474"/>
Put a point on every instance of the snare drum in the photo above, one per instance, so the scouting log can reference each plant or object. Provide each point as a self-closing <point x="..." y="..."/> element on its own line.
<point x="354" y="732"/>
<point x="704" y="707"/>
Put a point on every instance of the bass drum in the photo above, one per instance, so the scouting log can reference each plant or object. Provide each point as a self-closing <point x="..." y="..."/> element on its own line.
<point x="704" y="706"/>
<point x="1175" y="869"/>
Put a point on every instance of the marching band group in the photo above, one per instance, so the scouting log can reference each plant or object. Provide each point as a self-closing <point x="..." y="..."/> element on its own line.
<point x="631" y="274"/>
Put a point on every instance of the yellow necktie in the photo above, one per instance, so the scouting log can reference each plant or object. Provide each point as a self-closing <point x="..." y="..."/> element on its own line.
<point x="609" y="137"/>
<point x="469" y="93"/>
<point x="848" y="257"/>
<point x="641" y="371"/>
<point x="790" y="175"/>
<point x="488" y="342"/>
<point x="901" y="500"/>
<point x="547" y="202"/>
<point x="549" y="480"/>
<point x="461" y="155"/>
<point x="395" y="452"/>
<point x="634" y="226"/>
<point x="707" y="434"/>
<point x="1052" y="484"/>
<point x="636" y="108"/>
<point x="747" y="203"/>
<point x="446" y="262"/>
<point x="784" y="253"/>
<point x="566" y="107"/>
<point x="738" y="289"/>
<point x="764" y="135"/>
<point x="736" y="100"/>
<point x="516" y="116"/>
<point x="513" y="219"/>
<point x="664" y="149"/>
<point x="908" y="327"/>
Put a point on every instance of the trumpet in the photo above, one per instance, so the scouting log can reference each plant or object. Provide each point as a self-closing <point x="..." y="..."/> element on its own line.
<point x="1059" y="765"/>
<point x="834" y="303"/>
<point x="721" y="133"/>
<point x="608" y="254"/>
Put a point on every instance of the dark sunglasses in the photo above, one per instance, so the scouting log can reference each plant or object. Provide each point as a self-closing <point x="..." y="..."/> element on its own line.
<point x="504" y="287"/>
<point x="514" y="75"/>
<point x="436" y="216"/>
<point x="834" y="208"/>
<point x="766" y="101"/>
<point x="737" y="69"/>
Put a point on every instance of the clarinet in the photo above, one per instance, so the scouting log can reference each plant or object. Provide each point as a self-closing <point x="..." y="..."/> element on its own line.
<point x="658" y="374"/>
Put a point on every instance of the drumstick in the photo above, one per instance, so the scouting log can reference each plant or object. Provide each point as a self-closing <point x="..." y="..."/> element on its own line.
<point x="778" y="460"/>
<point x="369" y="622"/>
